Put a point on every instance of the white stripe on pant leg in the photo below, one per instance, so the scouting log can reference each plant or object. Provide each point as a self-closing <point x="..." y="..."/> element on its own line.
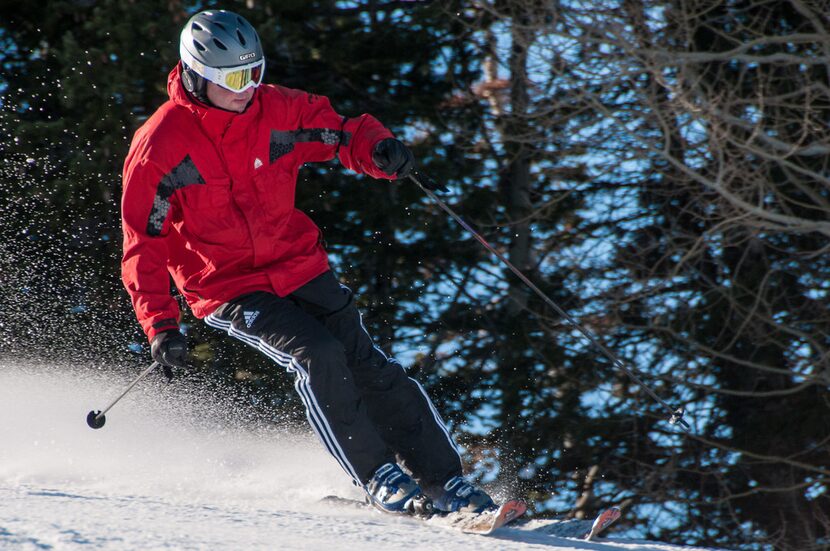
<point x="299" y="379"/>
<point x="435" y="414"/>
<point x="302" y="385"/>
<point x="434" y="411"/>
<point x="290" y="363"/>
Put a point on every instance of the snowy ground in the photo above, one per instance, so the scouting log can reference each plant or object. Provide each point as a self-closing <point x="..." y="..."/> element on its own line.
<point x="171" y="471"/>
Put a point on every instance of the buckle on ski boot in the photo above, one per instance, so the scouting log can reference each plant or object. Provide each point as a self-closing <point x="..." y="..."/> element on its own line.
<point x="393" y="491"/>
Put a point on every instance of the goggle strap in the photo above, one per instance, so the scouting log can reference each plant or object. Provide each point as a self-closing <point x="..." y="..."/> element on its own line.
<point x="219" y="76"/>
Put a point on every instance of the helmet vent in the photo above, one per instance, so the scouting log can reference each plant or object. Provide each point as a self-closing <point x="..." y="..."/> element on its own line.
<point x="217" y="39"/>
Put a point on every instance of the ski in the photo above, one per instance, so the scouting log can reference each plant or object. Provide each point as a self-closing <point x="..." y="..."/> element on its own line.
<point x="470" y="523"/>
<point x="488" y="522"/>
<point x="603" y="521"/>
<point x="344" y="502"/>
<point x="573" y="528"/>
<point x="484" y="523"/>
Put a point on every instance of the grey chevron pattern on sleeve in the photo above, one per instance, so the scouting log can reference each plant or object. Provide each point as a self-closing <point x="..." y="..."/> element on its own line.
<point x="182" y="175"/>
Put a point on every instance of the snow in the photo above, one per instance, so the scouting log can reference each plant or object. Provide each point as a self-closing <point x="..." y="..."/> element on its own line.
<point x="175" y="468"/>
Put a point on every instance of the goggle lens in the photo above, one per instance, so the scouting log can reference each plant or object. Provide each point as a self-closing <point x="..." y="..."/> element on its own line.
<point x="239" y="79"/>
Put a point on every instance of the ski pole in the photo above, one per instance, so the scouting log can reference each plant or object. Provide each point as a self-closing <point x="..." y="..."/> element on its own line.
<point x="96" y="419"/>
<point x="676" y="415"/>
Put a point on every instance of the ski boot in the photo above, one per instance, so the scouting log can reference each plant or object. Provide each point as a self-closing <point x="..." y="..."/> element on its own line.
<point x="392" y="491"/>
<point x="459" y="495"/>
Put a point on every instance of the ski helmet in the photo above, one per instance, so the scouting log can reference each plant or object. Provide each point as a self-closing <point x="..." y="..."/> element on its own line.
<point x="222" y="47"/>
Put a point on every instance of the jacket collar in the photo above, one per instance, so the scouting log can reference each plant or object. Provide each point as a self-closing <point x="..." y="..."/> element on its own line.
<point x="214" y="121"/>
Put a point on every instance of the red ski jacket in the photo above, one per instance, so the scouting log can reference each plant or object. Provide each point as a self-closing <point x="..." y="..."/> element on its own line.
<point x="209" y="198"/>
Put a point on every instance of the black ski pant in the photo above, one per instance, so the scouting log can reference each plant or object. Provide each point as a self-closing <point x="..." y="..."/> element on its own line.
<point x="360" y="402"/>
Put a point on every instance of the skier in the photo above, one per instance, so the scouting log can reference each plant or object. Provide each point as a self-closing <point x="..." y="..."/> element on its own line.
<point x="209" y="186"/>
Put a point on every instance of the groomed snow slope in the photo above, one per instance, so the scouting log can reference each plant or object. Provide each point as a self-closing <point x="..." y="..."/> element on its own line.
<point x="172" y="469"/>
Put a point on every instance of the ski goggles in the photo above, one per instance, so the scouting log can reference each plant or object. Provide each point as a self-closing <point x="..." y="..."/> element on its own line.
<point x="236" y="79"/>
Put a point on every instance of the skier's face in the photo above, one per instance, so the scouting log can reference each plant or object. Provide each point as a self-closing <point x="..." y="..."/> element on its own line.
<point x="230" y="101"/>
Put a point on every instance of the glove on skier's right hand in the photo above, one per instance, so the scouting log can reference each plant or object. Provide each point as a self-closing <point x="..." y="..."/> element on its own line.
<point x="169" y="348"/>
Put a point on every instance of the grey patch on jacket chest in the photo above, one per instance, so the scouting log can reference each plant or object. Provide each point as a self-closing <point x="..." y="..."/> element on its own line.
<point x="182" y="175"/>
<point x="282" y="141"/>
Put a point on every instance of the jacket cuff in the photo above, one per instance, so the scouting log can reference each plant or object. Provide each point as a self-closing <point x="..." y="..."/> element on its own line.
<point x="161" y="326"/>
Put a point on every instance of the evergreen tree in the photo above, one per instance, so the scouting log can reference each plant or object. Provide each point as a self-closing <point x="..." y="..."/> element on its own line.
<point x="79" y="78"/>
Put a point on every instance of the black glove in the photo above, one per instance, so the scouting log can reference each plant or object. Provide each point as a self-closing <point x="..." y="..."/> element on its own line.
<point x="169" y="348"/>
<point x="393" y="158"/>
